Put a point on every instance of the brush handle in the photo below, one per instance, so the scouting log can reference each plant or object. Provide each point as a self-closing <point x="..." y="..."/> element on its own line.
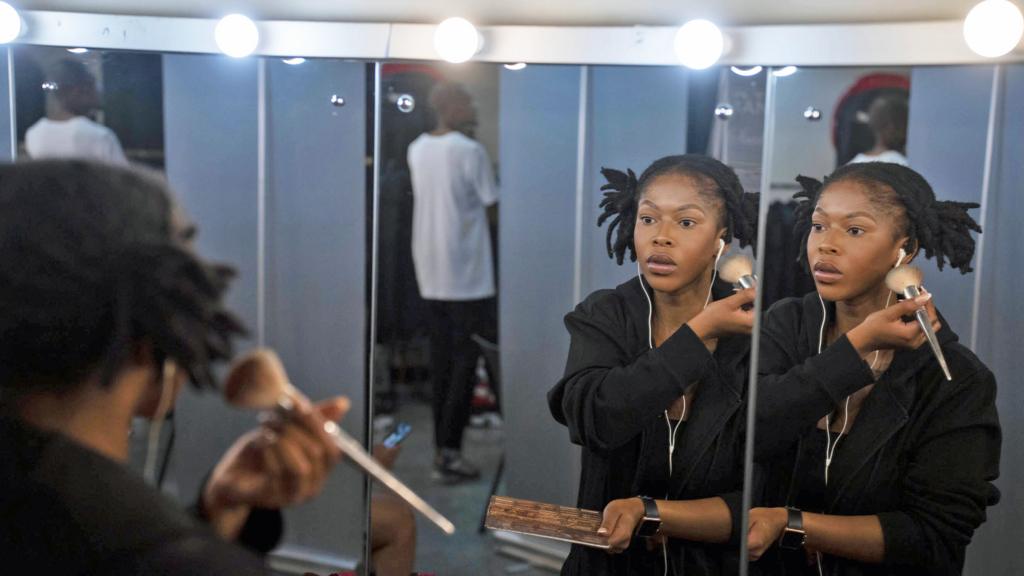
<point x="926" y="324"/>
<point x="358" y="456"/>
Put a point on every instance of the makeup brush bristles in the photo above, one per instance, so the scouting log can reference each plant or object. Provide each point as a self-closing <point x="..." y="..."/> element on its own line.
<point x="735" y="266"/>
<point x="900" y="277"/>
<point x="255" y="380"/>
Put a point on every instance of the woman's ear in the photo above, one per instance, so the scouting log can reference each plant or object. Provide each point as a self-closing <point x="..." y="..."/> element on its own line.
<point x="911" y="249"/>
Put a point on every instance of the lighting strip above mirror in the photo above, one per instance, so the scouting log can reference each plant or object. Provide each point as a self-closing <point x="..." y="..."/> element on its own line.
<point x="914" y="43"/>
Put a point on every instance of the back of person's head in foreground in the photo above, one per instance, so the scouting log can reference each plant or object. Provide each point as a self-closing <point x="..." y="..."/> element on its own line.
<point x="99" y="276"/>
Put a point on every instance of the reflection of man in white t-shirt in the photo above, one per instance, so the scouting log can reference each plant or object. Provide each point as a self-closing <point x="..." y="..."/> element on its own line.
<point x="887" y="117"/>
<point x="453" y="187"/>
<point x="67" y="131"/>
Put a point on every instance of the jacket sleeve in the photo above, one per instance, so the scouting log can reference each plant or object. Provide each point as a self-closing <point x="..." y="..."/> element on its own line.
<point x="792" y="392"/>
<point x="261" y="532"/>
<point x="606" y="397"/>
<point x="948" y="482"/>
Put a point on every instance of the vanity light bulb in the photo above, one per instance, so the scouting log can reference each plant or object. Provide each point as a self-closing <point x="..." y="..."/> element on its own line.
<point x="785" y="71"/>
<point x="456" y="40"/>
<point x="699" y="44"/>
<point x="993" y="28"/>
<point x="10" y="23"/>
<point x="237" y="35"/>
<point x="753" y="71"/>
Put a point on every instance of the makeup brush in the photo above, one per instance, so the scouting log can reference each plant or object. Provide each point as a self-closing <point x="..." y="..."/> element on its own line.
<point x="738" y="270"/>
<point x="257" y="380"/>
<point x="906" y="280"/>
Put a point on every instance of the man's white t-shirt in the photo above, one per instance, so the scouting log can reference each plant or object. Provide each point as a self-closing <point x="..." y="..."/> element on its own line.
<point x="78" y="138"/>
<point x="888" y="156"/>
<point x="452" y="185"/>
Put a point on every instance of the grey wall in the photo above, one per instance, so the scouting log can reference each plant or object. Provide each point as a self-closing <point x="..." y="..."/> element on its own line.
<point x="996" y="548"/>
<point x="7" y="152"/>
<point x="314" y="251"/>
<point x="210" y="133"/>
<point x="536" y="283"/>
<point x="946" y="144"/>
<point x="316" y="292"/>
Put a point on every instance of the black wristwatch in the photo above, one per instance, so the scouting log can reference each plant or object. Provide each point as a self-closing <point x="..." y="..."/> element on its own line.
<point x="793" y="536"/>
<point x="650" y="525"/>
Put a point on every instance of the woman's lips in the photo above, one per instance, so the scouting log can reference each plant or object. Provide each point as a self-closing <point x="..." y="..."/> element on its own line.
<point x="826" y="273"/>
<point x="660" y="264"/>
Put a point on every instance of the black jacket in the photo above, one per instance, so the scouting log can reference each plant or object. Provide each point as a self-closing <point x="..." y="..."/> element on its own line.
<point x="612" y="399"/>
<point x="67" y="510"/>
<point x="922" y="453"/>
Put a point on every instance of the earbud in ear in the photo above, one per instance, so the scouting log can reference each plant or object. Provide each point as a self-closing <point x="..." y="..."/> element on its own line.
<point x="903" y="255"/>
<point x="721" y="244"/>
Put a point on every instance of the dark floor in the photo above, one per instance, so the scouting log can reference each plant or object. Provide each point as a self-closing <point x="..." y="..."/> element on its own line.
<point x="467" y="552"/>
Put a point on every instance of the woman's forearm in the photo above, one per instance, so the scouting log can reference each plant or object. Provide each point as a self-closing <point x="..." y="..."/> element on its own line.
<point x="854" y="537"/>
<point x="704" y="520"/>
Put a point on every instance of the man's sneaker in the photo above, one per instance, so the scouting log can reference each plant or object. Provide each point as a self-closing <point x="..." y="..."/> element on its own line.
<point x="450" y="468"/>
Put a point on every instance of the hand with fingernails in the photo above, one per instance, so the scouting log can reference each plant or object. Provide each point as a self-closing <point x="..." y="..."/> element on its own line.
<point x="619" y="521"/>
<point x="887" y="328"/>
<point x="281" y="463"/>
<point x="731" y="315"/>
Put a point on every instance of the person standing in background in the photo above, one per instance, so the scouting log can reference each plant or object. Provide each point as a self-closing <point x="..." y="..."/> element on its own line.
<point x="67" y="131"/>
<point x="454" y="193"/>
<point x="887" y="117"/>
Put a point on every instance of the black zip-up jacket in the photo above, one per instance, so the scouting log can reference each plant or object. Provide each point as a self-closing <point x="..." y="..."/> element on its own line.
<point x="65" y="509"/>
<point x="613" y="397"/>
<point x="921" y="455"/>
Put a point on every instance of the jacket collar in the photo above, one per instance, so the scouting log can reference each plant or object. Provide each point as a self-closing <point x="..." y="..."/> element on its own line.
<point x="886" y="410"/>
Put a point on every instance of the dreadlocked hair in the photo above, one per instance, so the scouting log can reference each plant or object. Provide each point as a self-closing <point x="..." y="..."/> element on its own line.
<point x="941" y="228"/>
<point x="96" y="264"/>
<point x="717" y="181"/>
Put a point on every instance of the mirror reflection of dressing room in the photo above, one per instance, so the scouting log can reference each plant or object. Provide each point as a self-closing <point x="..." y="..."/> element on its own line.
<point x="456" y="288"/>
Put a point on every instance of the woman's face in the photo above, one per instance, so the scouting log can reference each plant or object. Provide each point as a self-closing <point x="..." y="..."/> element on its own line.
<point x="853" y="242"/>
<point x="677" y="231"/>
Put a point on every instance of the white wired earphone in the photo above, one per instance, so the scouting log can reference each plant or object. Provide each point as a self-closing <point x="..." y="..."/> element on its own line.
<point x="672" y="430"/>
<point x="830" y="448"/>
<point x="167" y="378"/>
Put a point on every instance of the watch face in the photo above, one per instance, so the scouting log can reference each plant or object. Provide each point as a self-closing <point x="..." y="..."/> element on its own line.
<point x="791" y="539"/>
<point x="648" y="528"/>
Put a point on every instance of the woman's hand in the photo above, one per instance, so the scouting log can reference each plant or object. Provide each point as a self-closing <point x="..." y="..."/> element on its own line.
<point x="886" y="329"/>
<point x="732" y="315"/>
<point x="619" y="521"/>
<point x="283" y="462"/>
<point x="766" y="526"/>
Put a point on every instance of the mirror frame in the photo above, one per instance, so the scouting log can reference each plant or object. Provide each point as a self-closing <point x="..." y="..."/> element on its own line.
<point x="884" y="44"/>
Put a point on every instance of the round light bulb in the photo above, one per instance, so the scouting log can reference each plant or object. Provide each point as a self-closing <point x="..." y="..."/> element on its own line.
<point x="993" y="28"/>
<point x="456" y="40"/>
<point x="753" y="71"/>
<point x="699" y="44"/>
<point x="785" y="71"/>
<point x="10" y="23"/>
<point x="236" y="35"/>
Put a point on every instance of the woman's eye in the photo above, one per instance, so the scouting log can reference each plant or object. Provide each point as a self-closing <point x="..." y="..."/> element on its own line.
<point x="817" y="227"/>
<point x="646" y="220"/>
<point x="687" y="223"/>
<point x="854" y="231"/>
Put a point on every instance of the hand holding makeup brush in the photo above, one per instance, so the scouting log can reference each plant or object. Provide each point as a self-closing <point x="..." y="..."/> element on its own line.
<point x="887" y="328"/>
<point x="731" y="315"/>
<point x="279" y="464"/>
